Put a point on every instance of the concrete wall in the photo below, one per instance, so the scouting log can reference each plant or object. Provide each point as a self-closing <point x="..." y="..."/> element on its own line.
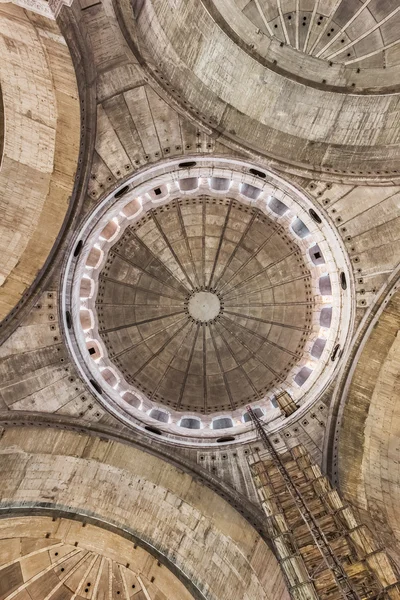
<point x="1" y="125"/>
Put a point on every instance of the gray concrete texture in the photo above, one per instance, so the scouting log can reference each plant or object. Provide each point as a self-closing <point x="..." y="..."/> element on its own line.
<point x="259" y="280"/>
<point x="178" y="79"/>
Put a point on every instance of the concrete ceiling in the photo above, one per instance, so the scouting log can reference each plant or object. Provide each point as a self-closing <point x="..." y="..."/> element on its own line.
<point x="204" y="305"/>
<point x="266" y="96"/>
<point x="366" y="458"/>
<point x="1" y="125"/>
<point x="187" y="526"/>
<point x="40" y="153"/>
<point x="187" y="79"/>
<point x="44" y="557"/>
<point x="365" y="34"/>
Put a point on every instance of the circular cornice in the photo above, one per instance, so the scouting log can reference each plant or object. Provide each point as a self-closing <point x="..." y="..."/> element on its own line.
<point x="155" y="187"/>
<point x="2" y="125"/>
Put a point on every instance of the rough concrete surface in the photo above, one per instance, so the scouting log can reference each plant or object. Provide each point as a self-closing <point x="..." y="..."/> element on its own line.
<point x="202" y="302"/>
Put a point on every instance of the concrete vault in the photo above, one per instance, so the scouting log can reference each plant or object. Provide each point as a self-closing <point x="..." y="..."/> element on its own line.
<point x="199" y="243"/>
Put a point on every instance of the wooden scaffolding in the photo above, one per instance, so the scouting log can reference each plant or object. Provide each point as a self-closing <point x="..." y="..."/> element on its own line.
<point x="324" y="552"/>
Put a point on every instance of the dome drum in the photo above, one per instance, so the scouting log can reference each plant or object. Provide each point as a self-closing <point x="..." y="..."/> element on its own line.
<point x="206" y="303"/>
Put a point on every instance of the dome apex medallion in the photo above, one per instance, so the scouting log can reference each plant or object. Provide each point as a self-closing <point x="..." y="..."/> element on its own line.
<point x="204" y="306"/>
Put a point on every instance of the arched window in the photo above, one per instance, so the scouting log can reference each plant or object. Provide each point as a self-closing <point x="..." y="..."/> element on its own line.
<point x="278" y="207"/>
<point x="219" y="184"/>
<point x="110" y="377"/>
<point x="110" y="231"/>
<point x="318" y="347"/>
<point x="86" y="318"/>
<point x="132" y="399"/>
<point x="316" y="255"/>
<point x="189" y="184"/>
<point x="250" y="191"/>
<point x="159" y="415"/>
<point x="302" y="375"/>
<point x="222" y="423"/>
<point x="325" y="286"/>
<point x="95" y="257"/>
<point x="159" y="193"/>
<point x="131" y="209"/>
<point x="86" y="287"/>
<point x="274" y="402"/>
<point x="190" y="423"/>
<point x="93" y="349"/>
<point x="258" y="412"/>
<point x="325" y="318"/>
<point x="300" y="229"/>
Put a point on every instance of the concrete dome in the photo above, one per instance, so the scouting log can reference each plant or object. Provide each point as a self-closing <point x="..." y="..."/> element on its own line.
<point x="204" y="304"/>
<point x="199" y="288"/>
<point x="44" y="557"/>
<point x="349" y="32"/>
<point x="128" y="120"/>
<point x="297" y="95"/>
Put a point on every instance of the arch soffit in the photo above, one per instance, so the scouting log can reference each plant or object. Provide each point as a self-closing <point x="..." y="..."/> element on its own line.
<point x="41" y="147"/>
<point x="80" y="472"/>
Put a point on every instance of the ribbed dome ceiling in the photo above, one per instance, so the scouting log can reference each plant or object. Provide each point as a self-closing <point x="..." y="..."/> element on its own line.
<point x="344" y="31"/>
<point x="57" y="559"/>
<point x="204" y="304"/>
<point x="58" y="570"/>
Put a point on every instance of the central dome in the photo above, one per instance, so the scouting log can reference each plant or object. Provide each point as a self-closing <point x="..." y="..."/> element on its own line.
<point x="204" y="304"/>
